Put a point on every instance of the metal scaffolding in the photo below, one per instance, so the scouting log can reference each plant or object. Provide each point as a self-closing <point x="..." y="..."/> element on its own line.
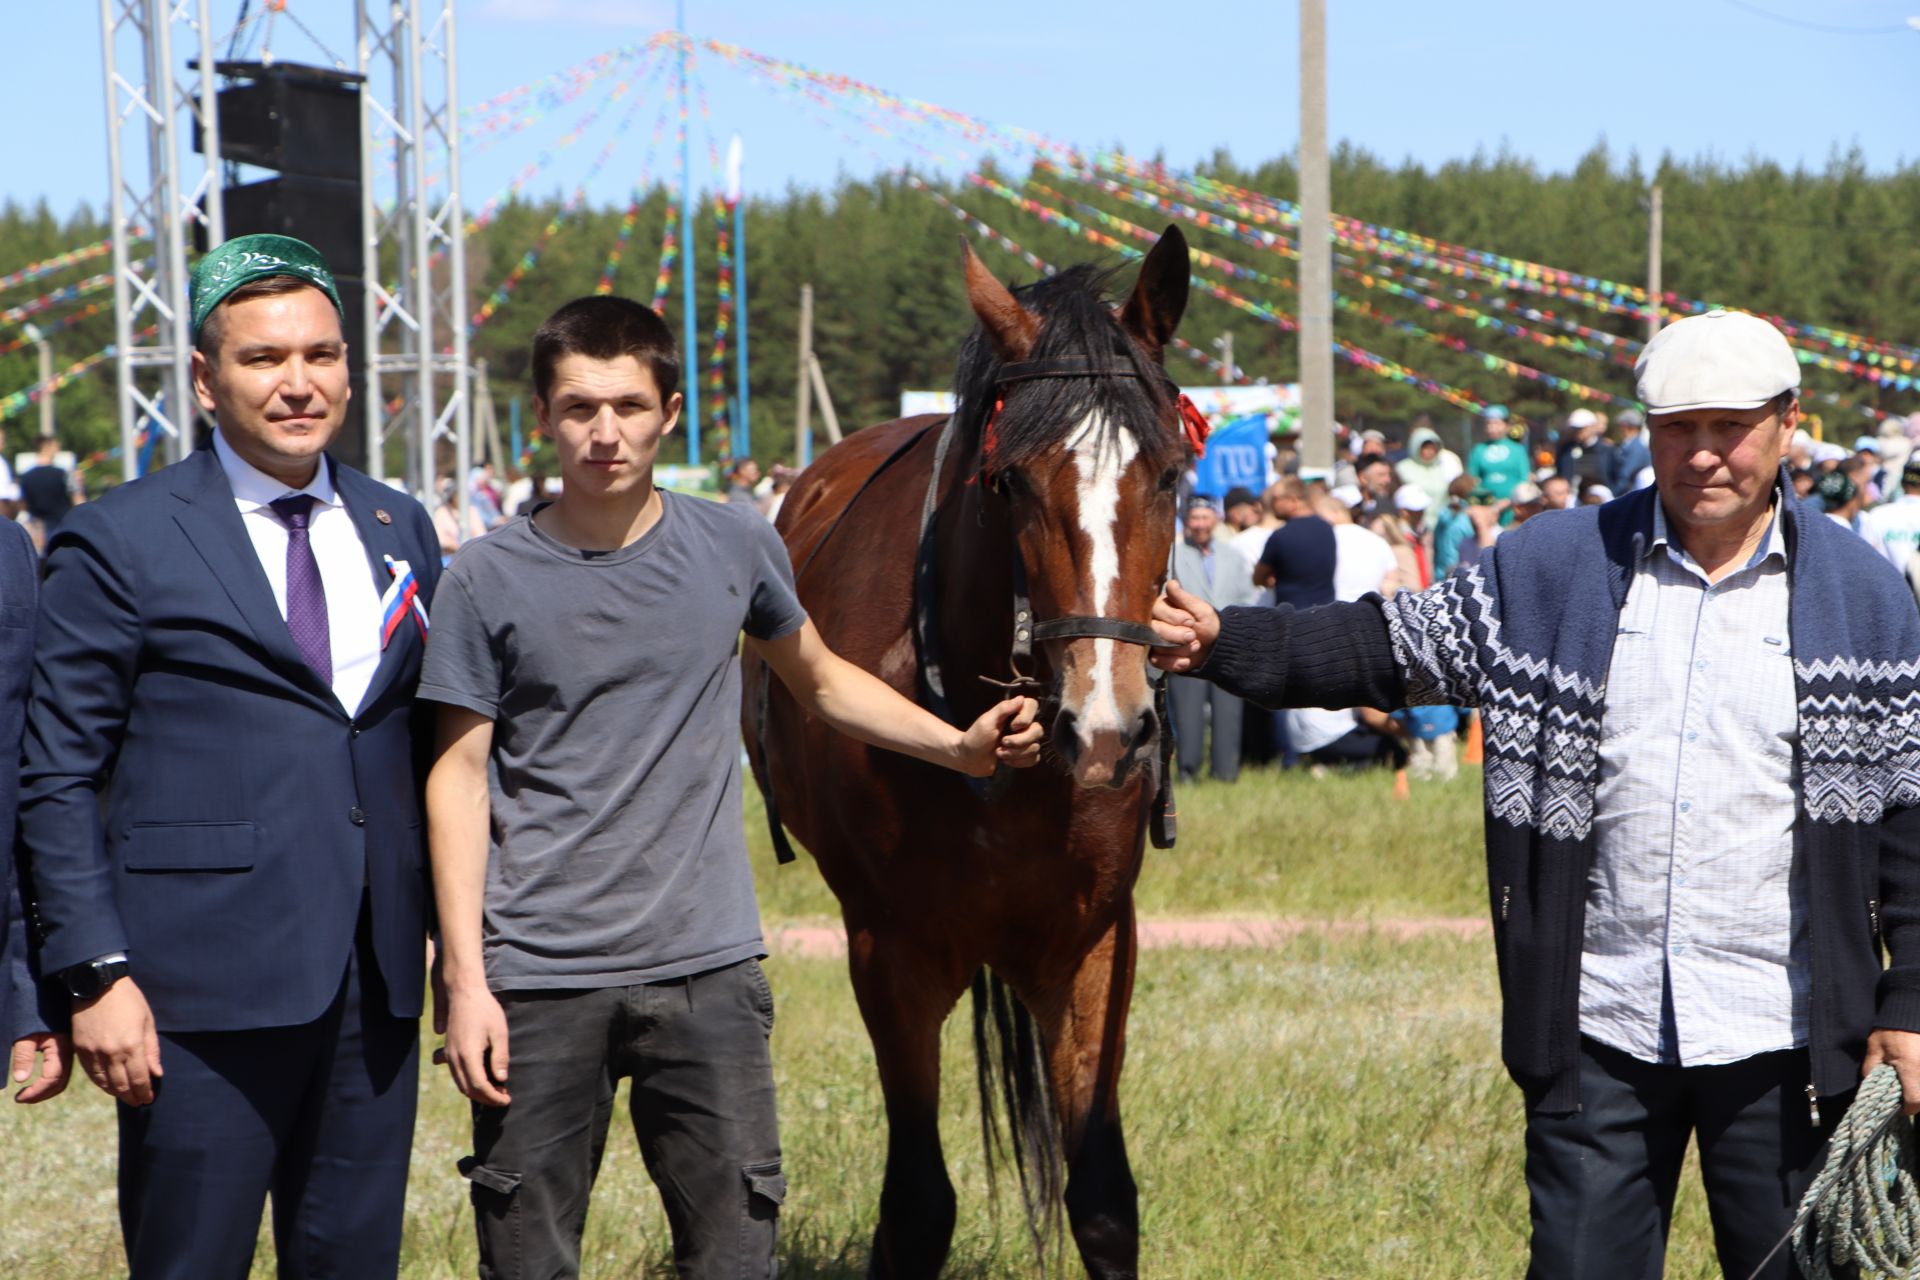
<point x="417" y="364"/>
<point x="416" y="359"/>
<point x="147" y="97"/>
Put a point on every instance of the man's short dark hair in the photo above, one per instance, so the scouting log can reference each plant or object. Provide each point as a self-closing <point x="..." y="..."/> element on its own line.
<point x="605" y="327"/>
<point x="1368" y="459"/>
<point x="208" y="341"/>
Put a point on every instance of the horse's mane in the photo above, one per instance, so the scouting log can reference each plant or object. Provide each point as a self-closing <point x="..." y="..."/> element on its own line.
<point x="1076" y="319"/>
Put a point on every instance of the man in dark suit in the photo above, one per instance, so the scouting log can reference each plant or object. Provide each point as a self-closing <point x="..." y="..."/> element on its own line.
<point x="220" y="803"/>
<point x="26" y="1017"/>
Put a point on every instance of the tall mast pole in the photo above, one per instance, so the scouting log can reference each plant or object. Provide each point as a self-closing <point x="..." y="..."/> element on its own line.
<point x="690" y="318"/>
<point x="1316" y="262"/>
<point x="743" y="431"/>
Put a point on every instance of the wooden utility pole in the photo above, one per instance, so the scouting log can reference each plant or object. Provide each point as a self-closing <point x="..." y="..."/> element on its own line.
<point x="1653" y="261"/>
<point x="827" y="415"/>
<point x="1316" y="260"/>
<point x="803" y="393"/>
<point x="1226" y="355"/>
<point x="45" y="350"/>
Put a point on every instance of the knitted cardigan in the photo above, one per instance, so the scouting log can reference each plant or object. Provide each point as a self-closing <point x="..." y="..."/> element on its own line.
<point x="1526" y="635"/>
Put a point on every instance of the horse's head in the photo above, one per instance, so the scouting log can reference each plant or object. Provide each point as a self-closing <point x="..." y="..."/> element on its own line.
<point x="1080" y="439"/>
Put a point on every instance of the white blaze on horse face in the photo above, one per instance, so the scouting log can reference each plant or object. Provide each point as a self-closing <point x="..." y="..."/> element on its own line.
<point x="1100" y="456"/>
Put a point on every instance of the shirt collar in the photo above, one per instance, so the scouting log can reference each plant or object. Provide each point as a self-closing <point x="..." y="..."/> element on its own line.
<point x="1773" y="544"/>
<point x="254" y="488"/>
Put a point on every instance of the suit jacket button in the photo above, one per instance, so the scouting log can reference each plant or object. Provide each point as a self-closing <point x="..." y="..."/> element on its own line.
<point x="357" y="816"/>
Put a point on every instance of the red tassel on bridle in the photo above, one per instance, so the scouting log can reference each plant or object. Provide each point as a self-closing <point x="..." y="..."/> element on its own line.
<point x="1196" y="425"/>
<point x="990" y="440"/>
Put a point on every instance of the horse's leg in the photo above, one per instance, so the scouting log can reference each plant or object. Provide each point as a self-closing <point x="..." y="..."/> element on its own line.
<point x="905" y="995"/>
<point x="1085" y="1024"/>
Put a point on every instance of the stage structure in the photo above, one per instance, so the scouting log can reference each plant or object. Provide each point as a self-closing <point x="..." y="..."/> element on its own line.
<point x="146" y="44"/>
<point x="403" y="273"/>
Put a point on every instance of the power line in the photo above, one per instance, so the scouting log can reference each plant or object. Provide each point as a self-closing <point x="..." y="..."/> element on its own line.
<point x="1828" y="28"/>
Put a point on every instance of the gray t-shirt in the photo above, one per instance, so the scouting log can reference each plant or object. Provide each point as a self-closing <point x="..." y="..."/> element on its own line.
<point x="617" y="854"/>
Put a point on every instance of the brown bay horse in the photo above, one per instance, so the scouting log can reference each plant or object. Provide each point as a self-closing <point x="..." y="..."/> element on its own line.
<point x="936" y="553"/>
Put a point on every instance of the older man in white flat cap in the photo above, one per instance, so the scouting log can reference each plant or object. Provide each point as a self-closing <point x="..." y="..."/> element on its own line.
<point x="1703" y="762"/>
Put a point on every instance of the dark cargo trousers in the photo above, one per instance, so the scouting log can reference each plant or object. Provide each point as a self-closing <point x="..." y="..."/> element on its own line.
<point x="702" y="1106"/>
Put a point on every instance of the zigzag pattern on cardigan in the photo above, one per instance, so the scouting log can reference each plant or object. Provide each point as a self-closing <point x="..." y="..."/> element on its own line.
<point x="1859" y="718"/>
<point x="1541" y="723"/>
<point x="1859" y="737"/>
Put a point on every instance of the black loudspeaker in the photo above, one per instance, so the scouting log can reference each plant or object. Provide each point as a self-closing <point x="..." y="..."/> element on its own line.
<point x="322" y="211"/>
<point x="304" y="123"/>
<point x="291" y="118"/>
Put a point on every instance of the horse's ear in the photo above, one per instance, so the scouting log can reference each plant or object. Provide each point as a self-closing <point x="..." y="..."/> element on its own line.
<point x="1009" y="326"/>
<point x="1159" y="296"/>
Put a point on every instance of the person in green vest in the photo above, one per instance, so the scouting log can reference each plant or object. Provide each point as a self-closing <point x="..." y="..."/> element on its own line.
<point x="1498" y="462"/>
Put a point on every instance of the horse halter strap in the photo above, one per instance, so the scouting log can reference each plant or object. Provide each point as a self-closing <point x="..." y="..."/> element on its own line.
<point x="1026" y="630"/>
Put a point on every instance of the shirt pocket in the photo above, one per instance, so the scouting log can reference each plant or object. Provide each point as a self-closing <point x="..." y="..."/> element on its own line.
<point x="1770" y="726"/>
<point x="1631" y="679"/>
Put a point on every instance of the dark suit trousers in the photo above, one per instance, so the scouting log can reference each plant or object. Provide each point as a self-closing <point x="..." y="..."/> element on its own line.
<point x="1602" y="1179"/>
<point x="318" y="1116"/>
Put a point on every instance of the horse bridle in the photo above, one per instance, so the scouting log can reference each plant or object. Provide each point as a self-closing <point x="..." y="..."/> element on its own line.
<point x="1027" y="631"/>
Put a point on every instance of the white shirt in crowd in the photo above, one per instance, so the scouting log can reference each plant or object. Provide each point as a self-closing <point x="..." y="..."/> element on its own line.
<point x="1894" y="529"/>
<point x="1311" y="728"/>
<point x="1694" y="883"/>
<point x="1250" y="543"/>
<point x="346" y="575"/>
<point x="1362" y="561"/>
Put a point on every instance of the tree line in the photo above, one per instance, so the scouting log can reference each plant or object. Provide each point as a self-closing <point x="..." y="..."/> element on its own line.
<point x="1832" y="245"/>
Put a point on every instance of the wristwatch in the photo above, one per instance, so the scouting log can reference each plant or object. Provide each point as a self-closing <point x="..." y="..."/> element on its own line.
<point x="90" y="980"/>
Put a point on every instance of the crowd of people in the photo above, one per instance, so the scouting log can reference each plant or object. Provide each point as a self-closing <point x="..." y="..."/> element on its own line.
<point x="1399" y="515"/>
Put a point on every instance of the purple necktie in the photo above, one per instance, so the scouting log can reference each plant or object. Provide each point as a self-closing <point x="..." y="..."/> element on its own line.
<point x="306" y="597"/>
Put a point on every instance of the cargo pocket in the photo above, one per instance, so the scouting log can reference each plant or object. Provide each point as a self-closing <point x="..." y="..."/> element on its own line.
<point x="496" y="1217"/>
<point x="765" y="1191"/>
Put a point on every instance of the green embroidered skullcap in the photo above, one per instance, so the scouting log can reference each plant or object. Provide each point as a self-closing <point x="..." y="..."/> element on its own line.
<point x="245" y="259"/>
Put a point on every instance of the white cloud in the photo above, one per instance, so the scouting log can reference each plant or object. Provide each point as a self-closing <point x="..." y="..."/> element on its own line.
<point x="638" y="14"/>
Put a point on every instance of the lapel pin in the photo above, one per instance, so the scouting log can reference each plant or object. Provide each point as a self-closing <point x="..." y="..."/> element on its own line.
<point x="380" y="514"/>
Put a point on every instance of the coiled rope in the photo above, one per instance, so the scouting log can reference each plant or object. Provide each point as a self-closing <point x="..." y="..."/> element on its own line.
<point x="1863" y="1208"/>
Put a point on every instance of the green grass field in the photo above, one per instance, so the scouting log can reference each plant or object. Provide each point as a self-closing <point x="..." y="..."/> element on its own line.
<point x="1331" y="1108"/>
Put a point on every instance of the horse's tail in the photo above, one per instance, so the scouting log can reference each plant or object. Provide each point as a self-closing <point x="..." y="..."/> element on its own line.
<point x="1011" y="1067"/>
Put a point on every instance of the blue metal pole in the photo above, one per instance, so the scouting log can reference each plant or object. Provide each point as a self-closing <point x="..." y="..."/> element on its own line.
<point x="513" y="426"/>
<point x="690" y="349"/>
<point x="743" y="433"/>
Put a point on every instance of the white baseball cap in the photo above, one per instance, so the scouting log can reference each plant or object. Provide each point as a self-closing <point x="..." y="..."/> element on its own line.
<point x="1347" y="495"/>
<point x="1581" y="418"/>
<point x="1411" y="497"/>
<point x="1718" y="360"/>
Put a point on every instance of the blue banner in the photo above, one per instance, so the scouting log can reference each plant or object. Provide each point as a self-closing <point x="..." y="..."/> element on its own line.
<point x="1236" y="457"/>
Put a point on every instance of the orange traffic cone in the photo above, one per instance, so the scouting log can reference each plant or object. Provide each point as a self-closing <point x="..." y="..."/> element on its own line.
<point x="1476" y="752"/>
<point x="1402" y="790"/>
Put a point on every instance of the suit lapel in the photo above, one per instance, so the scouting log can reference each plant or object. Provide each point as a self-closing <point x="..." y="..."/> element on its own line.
<point x="365" y="500"/>
<point x="213" y="524"/>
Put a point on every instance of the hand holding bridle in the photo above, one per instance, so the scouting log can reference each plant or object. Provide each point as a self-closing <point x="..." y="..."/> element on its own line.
<point x="1187" y="627"/>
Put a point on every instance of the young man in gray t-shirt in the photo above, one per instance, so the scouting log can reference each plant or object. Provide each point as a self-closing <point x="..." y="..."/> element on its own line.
<point x="596" y="905"/>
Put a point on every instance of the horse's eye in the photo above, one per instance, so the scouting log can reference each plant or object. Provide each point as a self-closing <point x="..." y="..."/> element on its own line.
<point x="1009" y="482"/>
<point x="1169" y="479"/>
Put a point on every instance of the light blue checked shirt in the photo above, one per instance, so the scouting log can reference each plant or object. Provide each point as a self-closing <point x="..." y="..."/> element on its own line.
<point x="1696" y="924"/>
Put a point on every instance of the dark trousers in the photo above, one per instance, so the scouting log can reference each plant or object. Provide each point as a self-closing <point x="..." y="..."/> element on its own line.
<point x="1361" y="747"/>
<point x="319" y="1117"/>
<point x="1602" y="1179"/>
<point x="1192" y="698"/>
<point x="702" y="1108"/>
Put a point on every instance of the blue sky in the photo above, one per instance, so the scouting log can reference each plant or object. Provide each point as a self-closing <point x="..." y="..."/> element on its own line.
<point x="1409" y="78"/>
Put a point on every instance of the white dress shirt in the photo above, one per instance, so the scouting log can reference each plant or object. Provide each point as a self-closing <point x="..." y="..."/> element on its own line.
<point x="1697" y="891"/>
<point x="353" y="604"/>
